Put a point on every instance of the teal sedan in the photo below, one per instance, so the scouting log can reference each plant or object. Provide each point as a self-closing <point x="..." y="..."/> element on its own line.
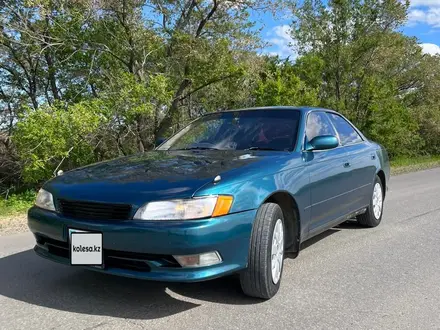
<point x="230" y="193"/>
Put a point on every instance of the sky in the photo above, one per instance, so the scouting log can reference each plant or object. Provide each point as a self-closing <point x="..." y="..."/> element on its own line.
<point x="423" y="23"/>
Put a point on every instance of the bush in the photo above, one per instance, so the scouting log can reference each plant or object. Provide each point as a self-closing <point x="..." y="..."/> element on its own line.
<point x="57" y="136"/>
<point x="17" y="202"/>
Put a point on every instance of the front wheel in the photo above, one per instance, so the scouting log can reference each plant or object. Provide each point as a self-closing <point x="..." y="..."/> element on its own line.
<point x="373" y="215"/>
<point x="266" y="253"/>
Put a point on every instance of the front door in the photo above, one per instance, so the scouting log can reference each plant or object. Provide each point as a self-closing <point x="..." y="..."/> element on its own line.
<point x="329" y="176"/>
<point x="361" y="162"/>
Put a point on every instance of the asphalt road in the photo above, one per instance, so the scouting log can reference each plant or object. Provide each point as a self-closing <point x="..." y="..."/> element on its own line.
<point x="347" y="278"/>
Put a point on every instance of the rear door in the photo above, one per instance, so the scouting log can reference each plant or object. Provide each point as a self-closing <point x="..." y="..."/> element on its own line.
<point x="360" y="161"/>
<point x="329" y="178"/>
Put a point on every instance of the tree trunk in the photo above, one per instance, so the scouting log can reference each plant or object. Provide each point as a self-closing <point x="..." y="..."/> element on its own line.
<point x="168" y="120"/>
<point x="51" y="76"/>
<point x="141" y="145"/>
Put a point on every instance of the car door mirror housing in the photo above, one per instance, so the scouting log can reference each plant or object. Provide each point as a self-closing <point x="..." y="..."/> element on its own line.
<point x="322" y="142"/>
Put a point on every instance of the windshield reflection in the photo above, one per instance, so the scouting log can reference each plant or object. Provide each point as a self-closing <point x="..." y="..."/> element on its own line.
<point x="273" y="130"/>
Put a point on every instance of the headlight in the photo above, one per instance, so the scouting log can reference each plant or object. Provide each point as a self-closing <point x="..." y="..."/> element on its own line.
<point x="185" y="209"/>
<point x="45" y="200"/>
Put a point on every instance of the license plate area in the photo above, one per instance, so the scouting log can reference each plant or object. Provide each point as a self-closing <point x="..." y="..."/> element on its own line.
<point x="85" y="248"/>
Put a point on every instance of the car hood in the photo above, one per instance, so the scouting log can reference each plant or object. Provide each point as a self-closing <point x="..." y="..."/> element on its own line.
<point x="155" y="175"/>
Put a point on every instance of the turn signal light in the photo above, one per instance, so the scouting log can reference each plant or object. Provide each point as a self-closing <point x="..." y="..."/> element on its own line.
<point x="222" y="206"/>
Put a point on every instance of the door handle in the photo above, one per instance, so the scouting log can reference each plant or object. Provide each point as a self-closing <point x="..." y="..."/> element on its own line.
<point x="373" y="156"/>
<point x="347" y="164"/>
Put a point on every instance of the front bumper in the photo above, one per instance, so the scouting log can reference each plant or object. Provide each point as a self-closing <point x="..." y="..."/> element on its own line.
<point x="144" y="249"/>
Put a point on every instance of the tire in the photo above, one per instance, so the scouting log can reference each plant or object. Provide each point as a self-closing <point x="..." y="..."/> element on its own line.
<point x="372" y="218"/>
<point x="258" y="279"/>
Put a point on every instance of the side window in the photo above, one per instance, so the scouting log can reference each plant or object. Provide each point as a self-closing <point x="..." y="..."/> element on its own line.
<point x="318" y="124"/>
<point x="346" y="132"/>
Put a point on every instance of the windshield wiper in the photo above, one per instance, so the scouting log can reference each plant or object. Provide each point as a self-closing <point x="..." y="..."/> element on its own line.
<point x="261" y="148"/>
<point x="199" y="148"/>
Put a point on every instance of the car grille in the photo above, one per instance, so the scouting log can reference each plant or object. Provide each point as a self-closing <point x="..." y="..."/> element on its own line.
<point x="94" y="211"/>
<point x="112" y="258"/>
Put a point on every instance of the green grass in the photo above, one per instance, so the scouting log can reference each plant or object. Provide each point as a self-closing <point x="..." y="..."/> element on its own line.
<point x="409" y="164"/>
<point x="17" y="203"/>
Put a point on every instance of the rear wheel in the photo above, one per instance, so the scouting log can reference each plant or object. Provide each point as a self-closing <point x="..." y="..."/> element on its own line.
<point x="266" y="253"/>
<point x="373" y="215"/>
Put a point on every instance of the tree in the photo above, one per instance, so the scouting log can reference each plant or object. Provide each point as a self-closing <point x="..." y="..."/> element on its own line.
<point x="51" y="136"/>
<point x="370" y="71"/>
<point x="205" y="41"/>
<point x="150" y="65"/>
<point x="86" y="80"/>
<point x="280" y="85"/>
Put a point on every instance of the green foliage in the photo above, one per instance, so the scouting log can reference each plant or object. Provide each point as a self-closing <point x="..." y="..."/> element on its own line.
<point x="281" y="86"/>
<point x="409" y="161"/>
<point x="368" y="71"/>
<point x="409" y="164"/>
<point x="428" y="118"/>
<point x="50" y="135"/>
<point x="310" y="69"/>
<point x="130" y="99"/>
<point x="70" y="135"/>
<point x="17" y="202"/>
<point x="394" y="127"/>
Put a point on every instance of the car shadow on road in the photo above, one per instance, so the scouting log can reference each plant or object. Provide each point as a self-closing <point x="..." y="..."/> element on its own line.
<point x="28" y="278"/>
<point x="350" y="224"/>
<point x="319" y="237"/>
<point x="31" y="279"/>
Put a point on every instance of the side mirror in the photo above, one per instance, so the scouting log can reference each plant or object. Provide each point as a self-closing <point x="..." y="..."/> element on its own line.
<point x="323" y="142"/>
<point x="159" y="141"/>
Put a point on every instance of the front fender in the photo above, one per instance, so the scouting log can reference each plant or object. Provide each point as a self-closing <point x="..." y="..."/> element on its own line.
<point x="251" y="194"/>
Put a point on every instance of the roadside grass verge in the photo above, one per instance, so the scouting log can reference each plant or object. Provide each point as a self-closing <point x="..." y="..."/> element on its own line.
<point x="411" y="164"/>
<point x="17" y="203"/>
<point x="13" y="211"/>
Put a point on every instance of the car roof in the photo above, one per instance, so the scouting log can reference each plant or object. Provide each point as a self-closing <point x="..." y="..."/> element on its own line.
<point x="302" y="109"/>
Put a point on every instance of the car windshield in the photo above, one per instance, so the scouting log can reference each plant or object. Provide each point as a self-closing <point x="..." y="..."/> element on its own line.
<point x="239" y="130"/>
